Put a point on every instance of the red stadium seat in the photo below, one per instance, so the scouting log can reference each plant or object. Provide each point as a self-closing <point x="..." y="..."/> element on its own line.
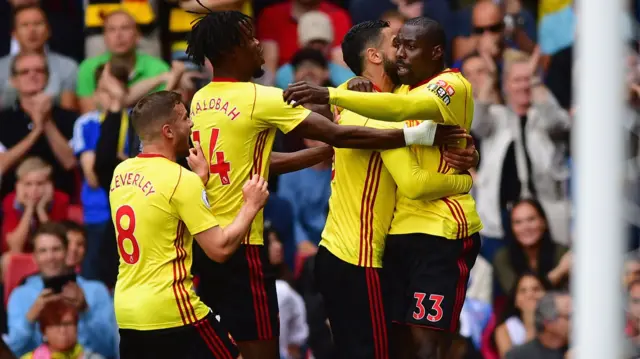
<point x="20" y="266"/>
<point x="75" y="213"/>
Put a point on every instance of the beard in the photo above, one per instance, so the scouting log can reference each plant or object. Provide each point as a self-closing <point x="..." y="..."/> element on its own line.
<point x="182" y="150"/>
<point x="258" y="73"/>
<point x="390" y="70"/>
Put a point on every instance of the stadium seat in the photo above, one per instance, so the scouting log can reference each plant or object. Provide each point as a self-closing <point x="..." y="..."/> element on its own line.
<point x="75" y="213"/>
<point x="20" y="266"/>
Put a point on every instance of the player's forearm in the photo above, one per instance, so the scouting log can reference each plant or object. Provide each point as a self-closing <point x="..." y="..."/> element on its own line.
<point x="233" y="234"/>
<point x="385" y="106"/>
<point x="295" y="161"/>
<point x="364" y="138"/>
<point x="430" y="186"/>
<point x="107" y="149"/>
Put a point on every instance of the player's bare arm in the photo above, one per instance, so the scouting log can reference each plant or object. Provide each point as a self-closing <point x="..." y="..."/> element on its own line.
<point x="198" y="163"/>
<point x="318" y="128"/>
<point x="373" y="105"/>
<point x="220" y="243"/>
<point x="294" y="161"/>
<point x="462" y="159"/>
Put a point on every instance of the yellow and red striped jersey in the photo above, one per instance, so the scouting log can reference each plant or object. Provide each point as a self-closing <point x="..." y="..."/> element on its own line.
<point x="157" y="206"/>
<point x="236" y="124"/>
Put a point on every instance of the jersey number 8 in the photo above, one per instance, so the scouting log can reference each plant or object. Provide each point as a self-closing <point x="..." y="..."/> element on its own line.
<point x="221" y="167"/>
<point x="127" y="233"/>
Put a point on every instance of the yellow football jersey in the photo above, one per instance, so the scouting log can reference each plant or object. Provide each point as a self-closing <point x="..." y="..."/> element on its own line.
<point x="236" y="123"/>
<point x="157" y="206"/>
<point x="444" y="98"/>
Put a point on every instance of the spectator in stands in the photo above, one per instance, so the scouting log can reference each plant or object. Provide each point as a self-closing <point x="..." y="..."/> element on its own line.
<point x="314" y="32"/>
<point x="140" y="12"/>
<point x="293" y="316"/>
<point x="35" y="126"/>
<point x="76" y="235"/>
<point x="97" y="326"/>
<point x="553" y="321"/>
<point x="121" y="38"/>
<point x="477" y="309"/>
<point x="521" y="156"/>
<point x="631" y="268"/>
<point x="480" y="286"/>
<point x="395" y="20"/>
<point x="517" y="322"/>
<point x="478" y="70"/>
<point x="278" y="30"/>
<point x="308" y="191"/>
<point x="633" y="312"/>
<point x="35" y="201"/>
<point x="487" y="30"/>
<point x="59" y="324"/>
<point x="530" y="249"/>
<point x="66" y="19"/>
<point x="31" y="30"/>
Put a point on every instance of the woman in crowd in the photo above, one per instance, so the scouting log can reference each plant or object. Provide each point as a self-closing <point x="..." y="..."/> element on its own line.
<point x="530" y="248"/>
<point x="59" y="325"/>
<point x="517" y="324"/>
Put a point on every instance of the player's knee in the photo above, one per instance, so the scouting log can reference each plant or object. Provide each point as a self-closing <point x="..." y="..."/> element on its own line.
<point x="427" y="350"/>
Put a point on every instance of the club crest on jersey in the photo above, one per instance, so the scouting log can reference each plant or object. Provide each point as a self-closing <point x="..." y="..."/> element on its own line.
<point x="442" y="91"/>
<point x="205" y="200"/>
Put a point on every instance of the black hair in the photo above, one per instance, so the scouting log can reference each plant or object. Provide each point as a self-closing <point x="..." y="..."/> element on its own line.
<point x="357" y="40"/>
<point x="282" y="270"/>
<point x="73" y="226"/>
<point x="434" y="31"/>
<point x="546" y="252"/>
<point x="20" y="8"/>
<point x="119" y="70"/>
<point x="309" y="54"/>
<point x="510" y="309"/>
<point x="215" y="35"/>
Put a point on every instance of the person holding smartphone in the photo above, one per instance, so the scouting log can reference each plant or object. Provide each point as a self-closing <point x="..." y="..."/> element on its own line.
<point x="57" y="282"/>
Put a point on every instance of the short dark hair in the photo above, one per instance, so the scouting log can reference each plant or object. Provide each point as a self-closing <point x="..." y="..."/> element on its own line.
<point x="309" y="54"/>
<point x="73" y="226"/>
<point x="357" y="40"/>
<point x="119" y="70"/>
<point x="24" y="7"/>
<point x="215" y="35"/>
<point x="52" y="228"/>
<point x="20" y="55"/>
<point x="433" y="29"/>
<point x="153" y="110"/>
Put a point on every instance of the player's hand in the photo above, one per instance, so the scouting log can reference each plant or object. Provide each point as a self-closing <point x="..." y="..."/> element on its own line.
<point x="449" y="135"/>
<point x="46" y="296"/>
<point x="360" y="84"/>
<point x="462" y="159"/>
<point x="255" y="192"/>
<point x="198" y="163"/>
<point x="301" y="93"/>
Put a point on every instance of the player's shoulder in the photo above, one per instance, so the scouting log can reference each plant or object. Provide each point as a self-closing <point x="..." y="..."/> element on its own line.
<point x="450" y="79"/>
<point x="269" y="92"/>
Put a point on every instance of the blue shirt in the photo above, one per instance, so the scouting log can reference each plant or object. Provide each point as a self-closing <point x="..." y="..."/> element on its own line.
<point x="97" y="328"/>
<point x="337" y="75"/>
<point x="308" y="191"/>
<point x="95" y="201"/>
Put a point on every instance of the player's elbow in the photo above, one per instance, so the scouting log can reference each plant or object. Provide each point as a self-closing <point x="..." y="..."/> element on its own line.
<point x="409" y="190"/>
<point x="220" y="253"/>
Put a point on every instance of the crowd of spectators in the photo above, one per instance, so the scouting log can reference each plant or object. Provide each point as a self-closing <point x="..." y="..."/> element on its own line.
<point x="65" y="63"/>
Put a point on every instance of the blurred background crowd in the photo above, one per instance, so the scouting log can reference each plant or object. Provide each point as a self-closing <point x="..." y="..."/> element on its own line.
<point x="65" y="62"/>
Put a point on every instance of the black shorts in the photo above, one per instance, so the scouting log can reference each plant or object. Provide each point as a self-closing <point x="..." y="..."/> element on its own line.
<point x="353" y="302"/>
<point x="427" y="279"/>
<point x="205" y="339"/>
<point x="242" y="291"/>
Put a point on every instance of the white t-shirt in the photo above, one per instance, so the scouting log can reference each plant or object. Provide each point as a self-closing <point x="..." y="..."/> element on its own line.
<point x="293" y="317"/>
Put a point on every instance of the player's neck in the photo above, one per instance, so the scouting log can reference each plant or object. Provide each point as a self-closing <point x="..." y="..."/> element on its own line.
<point x="379" y="78"/>
<point x="220" y="72"/>
<point x="155" y="149"/>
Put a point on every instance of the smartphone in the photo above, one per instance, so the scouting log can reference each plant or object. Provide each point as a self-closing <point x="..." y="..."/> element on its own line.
<point x="56" y="283"/>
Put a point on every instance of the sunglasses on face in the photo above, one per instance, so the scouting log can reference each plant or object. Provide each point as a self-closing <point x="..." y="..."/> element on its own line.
<point x="491" y="28"/>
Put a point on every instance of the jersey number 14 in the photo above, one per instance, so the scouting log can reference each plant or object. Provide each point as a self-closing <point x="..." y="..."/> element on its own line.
<point x="220" y="167"/>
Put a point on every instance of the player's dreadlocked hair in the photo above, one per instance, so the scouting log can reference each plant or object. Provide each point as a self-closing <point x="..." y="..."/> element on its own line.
<point x="357" y="40"/>
<point x="435" y="31"/>
<point x="215" y="35"/>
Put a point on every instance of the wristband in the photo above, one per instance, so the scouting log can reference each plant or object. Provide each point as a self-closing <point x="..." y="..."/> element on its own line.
<point x="423" y="134"/>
